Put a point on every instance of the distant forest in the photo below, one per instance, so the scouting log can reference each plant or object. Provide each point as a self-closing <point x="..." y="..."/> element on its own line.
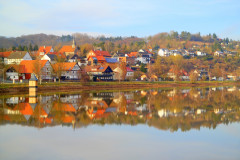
<point x="173" y="40"/>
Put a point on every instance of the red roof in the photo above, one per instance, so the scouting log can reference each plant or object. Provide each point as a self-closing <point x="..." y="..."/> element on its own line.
<point x="100" y="58"/>
<point x="5" y="54"/>
<point x="101" y="53"/>
<point x="30" y="66"/>
<point x="129" y="69"/>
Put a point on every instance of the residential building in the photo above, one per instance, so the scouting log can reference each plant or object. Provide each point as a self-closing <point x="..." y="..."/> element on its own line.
<point x="218" y="53"/>
<point x="95" y="53"/>
<point x="199" y="53"/>
<point x="164" y="52"/>
<point x="41" y="68"/>
<point x="14" y="72"/>
<point x="52" y="58"/>
<point x="129" y="74"/>
<point x="69" y="50"/>
<point x="67" y="70"/>
<point x="99" y="73"/>
<point x="44" y="50"/>
<point x="17" y="57"/>
<point x="4" y="56"/>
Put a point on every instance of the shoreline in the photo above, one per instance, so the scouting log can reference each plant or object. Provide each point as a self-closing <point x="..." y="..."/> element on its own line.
<point x="78" y="86"/>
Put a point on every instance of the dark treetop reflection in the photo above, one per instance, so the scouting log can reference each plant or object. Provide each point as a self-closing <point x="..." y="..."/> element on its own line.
<point x="165" y="109"/>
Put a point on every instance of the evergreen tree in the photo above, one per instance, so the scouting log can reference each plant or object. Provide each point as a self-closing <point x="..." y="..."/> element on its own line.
<point x="25" y="48"/>
<point x="35" y="47"/>
<point x="20" y="48"/>
<point x="30" y="47"/>
<point x="13" y="48"/>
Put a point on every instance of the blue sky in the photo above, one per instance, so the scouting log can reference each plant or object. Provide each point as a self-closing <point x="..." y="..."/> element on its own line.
<point x="120" y="17"/>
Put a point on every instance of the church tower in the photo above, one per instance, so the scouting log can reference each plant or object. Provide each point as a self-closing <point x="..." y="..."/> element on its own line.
<point x="73" y="44"/>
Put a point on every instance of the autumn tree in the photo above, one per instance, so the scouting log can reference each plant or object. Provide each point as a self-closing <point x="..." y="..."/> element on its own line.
<point x="193" y="76"/>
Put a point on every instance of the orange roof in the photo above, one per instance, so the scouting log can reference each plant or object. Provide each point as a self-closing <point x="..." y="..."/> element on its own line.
<point x="5" y="54"/>
<point x="133" y="54"/>
<point x="46" y="120"/>
<point x="65" y="107"/>
<point x="32" y="65"/>
<point x="68" y="119"/>
<point x="25" y="108"/>
<point x="64" y="66"/>
<point x="67" y="49"/>
<point x="18" y="68"/>
<point x="132" y="113"/>
<point x="45" y="49"/>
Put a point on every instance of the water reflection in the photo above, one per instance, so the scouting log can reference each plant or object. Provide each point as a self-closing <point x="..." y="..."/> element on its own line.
<point x="165" y="109"/>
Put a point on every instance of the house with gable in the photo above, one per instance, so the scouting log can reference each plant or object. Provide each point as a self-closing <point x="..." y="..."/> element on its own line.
<point x="14" y="72"/>
<point x="41" y="68"/>
<point x="218" y="53"/>
<point x="69" y="50"/>
<point x="4" y="56"/>
<point x="95" y="53"/>
<point x="68" y="70"/>
<point x="17" y="57"/>
<point x="129" y="74"/>
<point x="52" y="58"/>
<point x="99" y="72"/>
<point x="44" y="50"/>
<point x="164" y="52"/>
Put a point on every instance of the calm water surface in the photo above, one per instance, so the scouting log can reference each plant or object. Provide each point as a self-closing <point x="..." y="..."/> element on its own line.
<point x="196" y="123"/>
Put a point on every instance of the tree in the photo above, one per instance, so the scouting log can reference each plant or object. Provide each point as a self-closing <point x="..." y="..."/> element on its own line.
<point x="13" y="48"/>
<point x="37" y="69"/>
<point x="193" y="76"/>
<point x="142" y="68"/>
<point x="30" y="47"/>
<point x="25" y="48"/>
<point x="20" y="48"/>
<point x="35" y="47"/>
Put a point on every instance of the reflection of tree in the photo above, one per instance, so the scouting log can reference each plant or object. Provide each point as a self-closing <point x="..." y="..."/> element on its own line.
<point x="166" y="109"/>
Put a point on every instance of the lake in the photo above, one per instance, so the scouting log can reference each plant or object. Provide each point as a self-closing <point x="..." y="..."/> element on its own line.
<point x="163" y="123"/>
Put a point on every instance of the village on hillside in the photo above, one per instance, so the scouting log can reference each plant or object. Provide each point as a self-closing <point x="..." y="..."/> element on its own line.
<point x="158" y="64"/>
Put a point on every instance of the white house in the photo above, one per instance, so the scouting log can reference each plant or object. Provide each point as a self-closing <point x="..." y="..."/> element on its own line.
<point x="52" y="58"/>
<point x="17" y="57"/>
<point x="164" y="52"/>
<point x="129" y="74"/>
<point x="143" y="58"/>
<point x="199" y="53"/>
<point x="218" y="53"/>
